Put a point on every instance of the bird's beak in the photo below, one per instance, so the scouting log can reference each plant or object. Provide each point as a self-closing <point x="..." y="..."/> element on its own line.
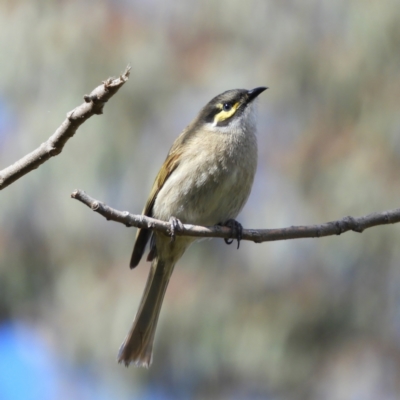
<point x="253" y="93"/>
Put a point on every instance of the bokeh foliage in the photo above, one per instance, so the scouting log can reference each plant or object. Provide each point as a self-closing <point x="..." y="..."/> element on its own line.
<point x="305" y="319"/>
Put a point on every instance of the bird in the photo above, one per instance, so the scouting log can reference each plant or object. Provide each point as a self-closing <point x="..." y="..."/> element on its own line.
<point x="205" y="180"/>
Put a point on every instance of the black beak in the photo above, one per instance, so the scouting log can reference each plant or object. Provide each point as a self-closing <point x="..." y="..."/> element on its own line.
<point x="252" y="94"/>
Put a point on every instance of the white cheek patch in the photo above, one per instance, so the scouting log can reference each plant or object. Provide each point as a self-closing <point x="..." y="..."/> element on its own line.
<point x="237" y="125"/>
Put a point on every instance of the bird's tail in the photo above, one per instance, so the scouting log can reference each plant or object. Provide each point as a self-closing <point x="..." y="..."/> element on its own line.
<point x="137" y="347"/>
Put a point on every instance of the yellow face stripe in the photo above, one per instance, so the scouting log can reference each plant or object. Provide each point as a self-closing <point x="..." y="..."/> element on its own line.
<point x="223" y="115"/>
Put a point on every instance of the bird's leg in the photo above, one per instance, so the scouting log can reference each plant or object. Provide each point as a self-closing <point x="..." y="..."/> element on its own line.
<point x="237" y="230"/>
<point x="176" y="225"/>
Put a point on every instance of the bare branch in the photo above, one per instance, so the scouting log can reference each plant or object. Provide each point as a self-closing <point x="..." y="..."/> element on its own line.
<point x="338" y="227"/>
<point x="94" y="103"/>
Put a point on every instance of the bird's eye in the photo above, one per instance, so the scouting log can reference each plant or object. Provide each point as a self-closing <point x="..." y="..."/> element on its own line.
<point x="227" y="106"/>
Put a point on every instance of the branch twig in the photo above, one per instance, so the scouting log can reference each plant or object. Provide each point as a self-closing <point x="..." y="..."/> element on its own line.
<point x="338" y="227"/>
<point x="94" y="103"/>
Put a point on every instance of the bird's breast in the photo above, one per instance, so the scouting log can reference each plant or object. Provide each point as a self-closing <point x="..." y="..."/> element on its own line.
<point x="212" y="181"/>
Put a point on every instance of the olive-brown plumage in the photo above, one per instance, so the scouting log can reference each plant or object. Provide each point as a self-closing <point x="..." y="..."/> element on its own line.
<point x="205" y="180"/>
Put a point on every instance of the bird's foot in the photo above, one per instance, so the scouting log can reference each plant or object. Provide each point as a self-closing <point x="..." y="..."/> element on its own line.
<point x="236" y="229"/>
<point x="176" y="225"/>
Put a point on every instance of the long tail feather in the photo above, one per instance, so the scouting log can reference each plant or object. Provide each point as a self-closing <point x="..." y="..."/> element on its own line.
<point x="137" y="347"/>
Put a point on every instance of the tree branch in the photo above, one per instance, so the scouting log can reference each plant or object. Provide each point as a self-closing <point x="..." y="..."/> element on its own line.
<point x="256" y="235"/>
<point x="94" y="103"/>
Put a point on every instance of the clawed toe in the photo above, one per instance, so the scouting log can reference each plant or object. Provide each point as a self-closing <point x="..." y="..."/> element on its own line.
<point x="176" y="225"/>
<point x="237" y="231"/>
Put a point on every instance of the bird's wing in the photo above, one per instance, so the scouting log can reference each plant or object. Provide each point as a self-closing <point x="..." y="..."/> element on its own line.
<point x="143" y="235"/>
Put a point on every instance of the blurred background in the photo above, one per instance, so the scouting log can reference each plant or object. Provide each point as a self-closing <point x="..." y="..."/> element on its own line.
<point x="301" y="319"/>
